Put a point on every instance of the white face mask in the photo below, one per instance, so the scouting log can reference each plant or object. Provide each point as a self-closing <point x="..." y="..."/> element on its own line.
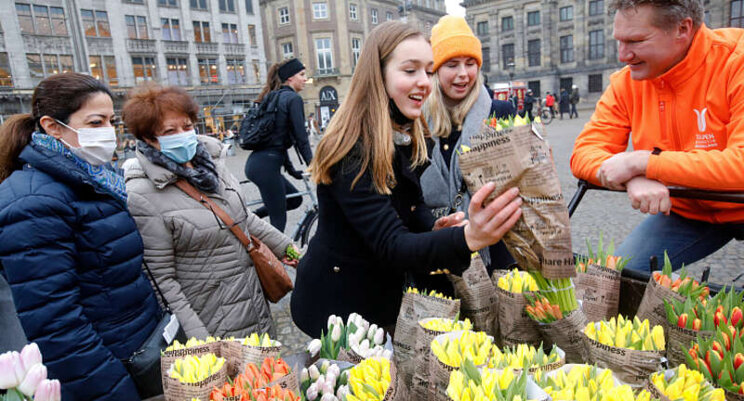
<point x="97" y="145"/>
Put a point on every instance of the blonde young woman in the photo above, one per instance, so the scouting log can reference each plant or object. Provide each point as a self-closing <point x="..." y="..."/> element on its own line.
<point x="455" y="111"/>
<point x="373" y="225"/>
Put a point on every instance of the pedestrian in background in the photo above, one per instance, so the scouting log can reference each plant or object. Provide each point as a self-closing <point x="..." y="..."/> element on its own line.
<point x="263" y="166"/>
<point x="204" y="271"/>
<point x="564" y="103"/>
<point x="529" y="104"/>
<point x="69" y="248"/>
<point x="455" y="112"/>
<point x="550" y="103"/>
<point x="373" y="226"/>
<point x="574" y="101"/>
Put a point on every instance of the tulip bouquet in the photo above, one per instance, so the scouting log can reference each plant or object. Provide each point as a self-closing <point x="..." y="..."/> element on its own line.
<point x="625" y="333"/>
<point x="252" y="379"/>
<point x="254" y="340"/>
<point x="369" y="380"/>
<point x="358" y="335"/>
<point x="556" y="298"/>
<point x="683" y="284"/>
<point x="525" y="357"/>
<point x="586" y="383"/>
<point x="470" y="384"/>
<point x="604" y="257"/>
<point x="452" y="350"/>
<point x="446" y="325"/>
<point x="683" y="383"/>
<point x="193" y="369"/>
<point x="24" y="377"/>
<point x="720" y="359"/>
<point x="432" y="293"/>
<point x="191" y="342"/>
<point x="501" y="124"/>
<point x="329" y="382"/>
<point x="517" y="282"/>
<point x="707" y="314"/>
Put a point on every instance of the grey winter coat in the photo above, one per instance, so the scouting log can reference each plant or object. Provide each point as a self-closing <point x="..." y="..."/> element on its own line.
<point x="205" y="273"/>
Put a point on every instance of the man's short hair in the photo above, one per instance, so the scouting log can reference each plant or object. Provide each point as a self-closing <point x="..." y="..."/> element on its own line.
<point x="669" y="13"/>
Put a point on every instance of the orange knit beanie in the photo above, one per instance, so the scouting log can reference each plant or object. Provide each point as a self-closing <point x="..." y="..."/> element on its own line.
<point x="452" y="37"/>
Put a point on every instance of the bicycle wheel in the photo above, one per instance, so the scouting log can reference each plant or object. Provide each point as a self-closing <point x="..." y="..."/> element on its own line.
<point x="546" y="117"/>
<point x="308" y="227"/>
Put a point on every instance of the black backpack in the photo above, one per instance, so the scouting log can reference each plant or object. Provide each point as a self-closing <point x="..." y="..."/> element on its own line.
<point x="258" y="125"/>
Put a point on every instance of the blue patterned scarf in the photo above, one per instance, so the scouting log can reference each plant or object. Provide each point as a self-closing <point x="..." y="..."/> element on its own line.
<point x="101" y="176"/>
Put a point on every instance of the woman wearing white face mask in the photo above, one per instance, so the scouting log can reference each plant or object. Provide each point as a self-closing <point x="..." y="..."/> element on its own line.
<point x="204" y="271"/>
<point x="69" y="248"/>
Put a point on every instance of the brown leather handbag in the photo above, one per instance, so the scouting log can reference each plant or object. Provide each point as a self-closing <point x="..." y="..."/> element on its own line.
<point x="274" y="278"/>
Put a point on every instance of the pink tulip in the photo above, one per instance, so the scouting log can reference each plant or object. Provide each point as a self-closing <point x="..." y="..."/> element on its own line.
<point x="34" y="376"/>
<point x="48" y="390"/>
<point x="30" y="355"/>
<point x="11" y="370"/>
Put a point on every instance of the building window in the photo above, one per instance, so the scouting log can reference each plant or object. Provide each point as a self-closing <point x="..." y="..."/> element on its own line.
<point x="596" y="7"/>
<point x="44" y="65"/>
<point x="136" y="26"/>
<point x="103" y="68"/>
<point x="507" y="55"/>
<point x="534" y="86"/>
<point x="737" y="14"/>
<point x="6" y="78"/>
<point x="353" y="12"/>
<point x="320" y="10"/>
<point x="95" y="23"/>
<point x="229" y="33"/>
<point x="388" y="16"/>
<point x="486" y="52"/>
<point x="507" y="24"/>
<point x="374" y="15"/>
<point x="596" y="44"/>
<point x="135" y="1"/>
<point x="566" y="13"/>
<point x="567" y="49"/>
<point x="34" y="65"/>
<point x="356" y="51"/>
<point x="287" y="50"/>
<point x="178" y="71"/>
<point x="252" y="35"/>
<point x="533" y="18"/>
<point x="171" y="29"/>
<point x="42" y="21"/>
<point x="324" y="56"/>
<point x="533" y="52"/>
<point x="249" y="6"/>
<point x="168" y="3"/>
<point x="227" y="6"/>
<point x="235" y="71"/>
<point x="256" y="70"/>
<point x="198" y="4"/>
<point x="144" y="68"/>
<point x="482" y="28"/>
<point x="208" y="71"/>
<point x="595" y="83"/>
<point x="283" y="15"/>
<point x="201" y="31"/>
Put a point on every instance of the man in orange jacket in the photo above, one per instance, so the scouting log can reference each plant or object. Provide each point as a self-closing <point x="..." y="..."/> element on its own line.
<point x="682" y="97"/>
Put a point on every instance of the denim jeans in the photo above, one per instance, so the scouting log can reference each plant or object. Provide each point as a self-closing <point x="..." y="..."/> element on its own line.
<point x="685" y="240"/>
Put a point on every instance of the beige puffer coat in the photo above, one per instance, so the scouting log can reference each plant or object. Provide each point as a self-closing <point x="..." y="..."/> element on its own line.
<point x="203" y="270"/>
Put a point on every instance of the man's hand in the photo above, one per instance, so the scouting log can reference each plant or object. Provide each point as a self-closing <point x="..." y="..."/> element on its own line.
<point x="649" y="196"/>
<point x="453" y="220"/>
<point x="616" y="171"/>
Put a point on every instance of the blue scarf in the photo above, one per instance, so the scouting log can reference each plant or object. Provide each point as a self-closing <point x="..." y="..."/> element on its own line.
<point x="101" y="176"/>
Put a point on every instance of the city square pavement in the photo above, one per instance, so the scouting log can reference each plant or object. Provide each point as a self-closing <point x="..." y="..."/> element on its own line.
<point x="599" y="211"/>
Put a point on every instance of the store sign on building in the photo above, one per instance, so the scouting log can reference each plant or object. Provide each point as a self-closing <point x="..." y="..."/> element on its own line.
<point x="328" y="95"/>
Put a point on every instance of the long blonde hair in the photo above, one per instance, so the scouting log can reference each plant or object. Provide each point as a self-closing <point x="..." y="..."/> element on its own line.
<point x="444" y="118"/>
<point x="273" y="82"/>
<point x="364" y="117"/>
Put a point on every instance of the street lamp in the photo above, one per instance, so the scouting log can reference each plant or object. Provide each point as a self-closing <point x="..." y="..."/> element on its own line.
<point x="510" y="68"/>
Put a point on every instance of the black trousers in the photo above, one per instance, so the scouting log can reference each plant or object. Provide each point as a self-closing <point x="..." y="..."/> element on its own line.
<point x="263" y="168"/>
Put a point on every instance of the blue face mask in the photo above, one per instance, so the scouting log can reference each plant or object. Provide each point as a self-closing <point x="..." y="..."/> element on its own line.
<point x="181" y="148"/>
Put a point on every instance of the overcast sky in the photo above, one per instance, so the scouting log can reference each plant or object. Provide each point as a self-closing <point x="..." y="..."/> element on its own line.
<point x="453" y="7"/>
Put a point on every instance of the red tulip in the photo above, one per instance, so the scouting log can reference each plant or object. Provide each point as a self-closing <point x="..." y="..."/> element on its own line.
<point x="736" y="316"/>
<point x="682" y="320"/>
<point x="696" y="324"/>
<point x="738" y="360"/>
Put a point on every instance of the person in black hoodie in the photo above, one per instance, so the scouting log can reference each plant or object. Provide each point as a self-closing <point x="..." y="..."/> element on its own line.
<point x="263" y="166"/>
<point x="373" y="226"/>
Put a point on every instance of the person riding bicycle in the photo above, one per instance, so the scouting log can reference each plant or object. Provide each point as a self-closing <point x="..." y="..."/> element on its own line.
<point x="682" y="97"/>
<point x="263" y="166"/>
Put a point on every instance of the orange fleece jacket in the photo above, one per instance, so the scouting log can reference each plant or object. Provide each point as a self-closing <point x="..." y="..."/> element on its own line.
<point x="694" y="112"/>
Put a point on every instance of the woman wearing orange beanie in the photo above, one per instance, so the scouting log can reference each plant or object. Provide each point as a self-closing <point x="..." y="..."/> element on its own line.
<point x="458" y="104"/>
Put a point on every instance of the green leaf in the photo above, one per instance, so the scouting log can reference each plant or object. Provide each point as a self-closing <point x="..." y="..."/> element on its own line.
<point x="371" y="390"/>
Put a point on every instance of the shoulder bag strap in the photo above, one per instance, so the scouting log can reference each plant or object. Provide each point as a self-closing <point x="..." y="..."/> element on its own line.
<point x="157" y="287"/>
<point x="189" y="189"/>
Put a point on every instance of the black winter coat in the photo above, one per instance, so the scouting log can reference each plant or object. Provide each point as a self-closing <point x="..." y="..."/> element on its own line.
<point x="289" y="126"/>
<point x="364" y="244"/>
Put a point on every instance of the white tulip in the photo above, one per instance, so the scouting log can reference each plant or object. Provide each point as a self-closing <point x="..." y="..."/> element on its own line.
<point x="313" y="348"/>
<point x="334" y="369"/>
<point x="314" y="373"/>
<point x="328" y="397"/>
<point x="379" y="336"/>
<point x="364" y="347"/>
<point x="33" y="378"/>
<point x="371" y="332"/>
<point x="312" y="392"/>
<point x="326" y="388"/>
<point x="331" y="321"/>
<point x="336" y="333"/>
<point x="324" y="367"/>
<point x="304" y="376"/>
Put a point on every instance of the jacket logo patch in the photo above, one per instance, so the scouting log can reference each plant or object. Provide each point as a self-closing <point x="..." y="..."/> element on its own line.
<point x="701" y="119"/>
